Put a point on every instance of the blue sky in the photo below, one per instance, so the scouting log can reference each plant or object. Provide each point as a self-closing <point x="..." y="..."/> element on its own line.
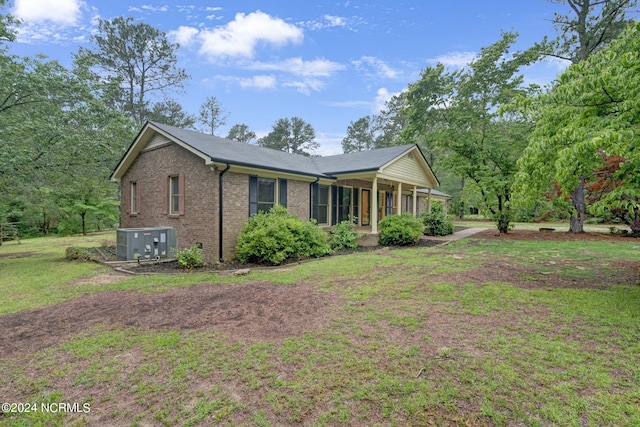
<point x="328" y="62"/>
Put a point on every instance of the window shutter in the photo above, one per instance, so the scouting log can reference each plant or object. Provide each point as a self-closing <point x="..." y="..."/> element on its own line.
<point x="125" y="197"/>
<point x="334" y="204"/>
<point x="253" y="195"/>
<point x="356" y="203"/>
<point x="315" y="194"/>
<point x="181" y="194"/>
<point x="165" y="192"/>
<point x="138" y="198"/>
<point x="283" y="192"/>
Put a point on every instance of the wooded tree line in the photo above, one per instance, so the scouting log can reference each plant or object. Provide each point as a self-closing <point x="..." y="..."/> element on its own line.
<point x="559" y="152"/>
<point x="495" y="143"/>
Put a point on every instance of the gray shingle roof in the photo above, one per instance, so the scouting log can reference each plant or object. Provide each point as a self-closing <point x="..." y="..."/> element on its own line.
<point x="360" y="161"/>
<point x="241" y="154"/>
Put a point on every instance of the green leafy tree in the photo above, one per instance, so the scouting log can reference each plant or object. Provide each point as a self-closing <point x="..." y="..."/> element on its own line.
<point x="135" y="62"/>
<point x="241" y="132"/>
<point x="360" y="135"/>
<point x="457" y="113"/>
<point x="591" y="115"/>
<point x="7" y="25"/>
<point x="588" y="27"/>
<point x="171" y="113"/>
<point x="291" y="135"/>
<point x="389" y="124"/>
<point x="59" y="142"/>
<point x="212" y="115"/>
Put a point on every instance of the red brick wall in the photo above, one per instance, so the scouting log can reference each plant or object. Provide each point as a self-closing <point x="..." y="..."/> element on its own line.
<point x="298" y="194"/>
<point x="235" y="210"/>
<point x="236" y="207"/>
<point x="199" y="222"/>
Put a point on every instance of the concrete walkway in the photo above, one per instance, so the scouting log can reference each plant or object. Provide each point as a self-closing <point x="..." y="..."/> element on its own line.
<point x="456" y="236"/>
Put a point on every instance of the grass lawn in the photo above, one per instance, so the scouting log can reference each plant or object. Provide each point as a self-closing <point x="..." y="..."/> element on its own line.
<point x="476" y="332"/>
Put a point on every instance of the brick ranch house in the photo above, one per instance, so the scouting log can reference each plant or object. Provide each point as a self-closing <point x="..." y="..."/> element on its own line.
<point x="207" y="187"/>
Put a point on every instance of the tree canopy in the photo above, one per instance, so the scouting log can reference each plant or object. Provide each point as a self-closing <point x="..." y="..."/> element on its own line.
<point x="457" y="113"/>
<point x="360" y="135"/>
<point x="241" y="133"/>
<point x="291" y="135"/>
<point x="135" y="61"/>
<point x="212" y="115"/>
<point x="592" y="115"/>
<point x="587" y="28"/>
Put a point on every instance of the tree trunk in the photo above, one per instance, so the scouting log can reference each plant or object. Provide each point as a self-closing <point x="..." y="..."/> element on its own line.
<point x="461" y="202"/>
<point x="577" y="218"/>
<point x="84" y="223"/>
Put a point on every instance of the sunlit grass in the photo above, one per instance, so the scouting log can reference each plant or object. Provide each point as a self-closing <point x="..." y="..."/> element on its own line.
<point x="412" y="342"/>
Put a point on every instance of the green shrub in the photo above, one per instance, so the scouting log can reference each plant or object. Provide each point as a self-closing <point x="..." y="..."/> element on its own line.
<point x="276" y="236"/>
<point x="400" y="230"/>
<point x="503" y="221"/>
<point x="190" y="257"/>
<point x="75" y="253"/>
<point x="436" y="223"/>
<point x="343" y="236"/>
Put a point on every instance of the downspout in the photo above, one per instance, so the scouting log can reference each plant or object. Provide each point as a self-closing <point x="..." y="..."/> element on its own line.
<point x="220" y="199"/>
<point x="311" y="197"/>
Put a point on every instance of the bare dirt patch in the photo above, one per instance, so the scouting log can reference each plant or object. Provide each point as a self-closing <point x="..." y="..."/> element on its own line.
<point x="100" y="279"/>
<point x="19" y="254"/>
<point x="251" y="312"/>
<point x="531" y="277"/>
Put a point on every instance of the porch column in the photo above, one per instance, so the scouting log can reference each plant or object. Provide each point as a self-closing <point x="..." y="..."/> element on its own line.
<point x="399" y="198"/>
<point x="374" y="206"/>
<point x="429" y="201"/>
<point x="415" y="201"/>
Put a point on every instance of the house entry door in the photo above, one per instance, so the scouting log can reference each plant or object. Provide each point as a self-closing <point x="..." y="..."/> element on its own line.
<point x="366" y="207"/>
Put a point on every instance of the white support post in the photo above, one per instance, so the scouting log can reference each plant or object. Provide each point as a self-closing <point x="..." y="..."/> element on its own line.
<point x="374" y="206"/>
<point x="429" y="201"/>
<point x="415" y="201"/>
<point x="399" y="198"/>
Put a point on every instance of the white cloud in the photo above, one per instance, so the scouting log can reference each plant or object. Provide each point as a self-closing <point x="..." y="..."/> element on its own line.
<point x="305" y="86"/>
<point x="240" y="37"/>
<point x="327" y="21"/>
<point x="62" y="12"/>
<point x="183" y="35"/>
<point x="258" y="82"/>
<point x="330" y="143"/>
<point x="382" y="96"/>
<point x="297" y="66"/>
<point x="454" y="59"/>
<point x="150" y="8"/>
<point x="335" y="21"/>
<point x="376" y="68"/>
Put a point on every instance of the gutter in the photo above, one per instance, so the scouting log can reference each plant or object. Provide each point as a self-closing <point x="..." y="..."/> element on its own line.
<point x="220" y="195"/>
<point x="311" y="197"/>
